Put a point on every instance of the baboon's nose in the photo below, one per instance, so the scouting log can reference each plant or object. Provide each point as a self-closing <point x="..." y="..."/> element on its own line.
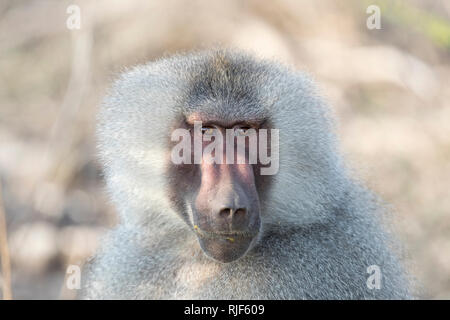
<point x="234" y="217"/>
<point x="231" y="211"/>
<point x="227" y="212"/>
<point x="227" y="200"/>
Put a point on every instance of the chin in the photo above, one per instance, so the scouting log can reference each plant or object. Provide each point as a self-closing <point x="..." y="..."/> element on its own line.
<point x="226" y="249"/>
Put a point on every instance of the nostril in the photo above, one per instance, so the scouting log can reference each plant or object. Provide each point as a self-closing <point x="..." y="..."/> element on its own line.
<point x="225" y="212"/>
<point x="229" y="212"/>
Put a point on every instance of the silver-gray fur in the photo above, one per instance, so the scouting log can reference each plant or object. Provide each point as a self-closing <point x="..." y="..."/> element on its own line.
<point x="320" y="229"/>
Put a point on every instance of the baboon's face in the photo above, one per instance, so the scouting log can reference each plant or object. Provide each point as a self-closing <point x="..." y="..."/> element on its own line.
<point x="221" y="201"/>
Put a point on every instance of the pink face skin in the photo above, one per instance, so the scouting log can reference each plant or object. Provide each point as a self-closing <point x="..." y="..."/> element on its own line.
<point x="226" y="212"/>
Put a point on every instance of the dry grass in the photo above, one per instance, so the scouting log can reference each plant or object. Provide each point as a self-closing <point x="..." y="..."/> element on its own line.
<point x="4" y="252"/>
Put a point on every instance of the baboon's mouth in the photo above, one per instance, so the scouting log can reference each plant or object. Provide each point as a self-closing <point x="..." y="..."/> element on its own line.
<point x="229" y="235"/>
<point x="225" y="246"/>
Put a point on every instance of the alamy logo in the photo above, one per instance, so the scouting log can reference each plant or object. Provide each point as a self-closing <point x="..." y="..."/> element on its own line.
<point x="74" y="20"/>
<point x="374" y="20"/>
<point x="73" y="279"/>
<point x="239" y="146"/>
<point x="374" y="280"/>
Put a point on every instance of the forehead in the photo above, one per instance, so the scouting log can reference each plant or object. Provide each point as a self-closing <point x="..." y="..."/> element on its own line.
<point x="227" y="88"/>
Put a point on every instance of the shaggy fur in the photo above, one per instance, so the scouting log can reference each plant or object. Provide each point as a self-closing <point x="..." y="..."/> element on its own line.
<point x="321" y="229"/>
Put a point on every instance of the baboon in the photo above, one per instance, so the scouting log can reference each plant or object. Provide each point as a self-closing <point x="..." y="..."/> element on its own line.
<point x="226" y="231"/>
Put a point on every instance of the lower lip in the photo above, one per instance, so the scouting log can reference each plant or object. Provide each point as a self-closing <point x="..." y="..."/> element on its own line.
<point x="231" y="237"/>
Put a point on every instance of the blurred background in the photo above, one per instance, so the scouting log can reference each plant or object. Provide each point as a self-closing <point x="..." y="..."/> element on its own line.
<point x="388" y="87"/>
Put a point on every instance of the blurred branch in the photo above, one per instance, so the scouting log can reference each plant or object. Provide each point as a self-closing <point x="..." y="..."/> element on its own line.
<point x="64" y="129"/>
<point x="4" y="252"/>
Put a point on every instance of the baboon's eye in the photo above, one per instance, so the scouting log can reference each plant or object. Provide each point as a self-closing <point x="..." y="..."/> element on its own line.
<point x="208" y="131"/>
<point x="242" y="131"/>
